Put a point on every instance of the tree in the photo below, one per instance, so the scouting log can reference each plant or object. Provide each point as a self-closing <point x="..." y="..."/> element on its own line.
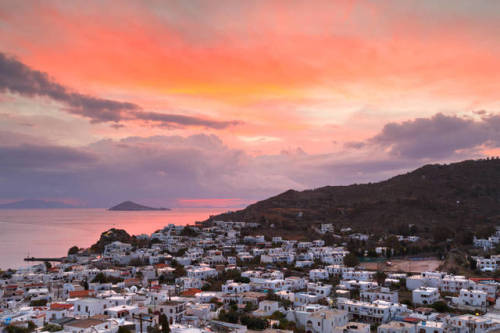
<point x="31" y="326"/>
<point x="100" y="278"/>
<point x="18" y="329"/>
<point x="85" y="284"/>
<point x="56" y="328"/>
<point x="440" y="306"/>
<point x="189" y="232"/>
<point x="254" y="323"/>
<point x="38" y="302"/>
<point x="163" y="320"/>
<point x="380" y="277"/>
<point x="73" y="250"/>
<point x="179" y="271"/>
<point x="351" y="260"/>
<point x="465" y="237"/>
<point x="229" y="317"/>
<point x="249" y="307"/>
<point x="441" y="233"/>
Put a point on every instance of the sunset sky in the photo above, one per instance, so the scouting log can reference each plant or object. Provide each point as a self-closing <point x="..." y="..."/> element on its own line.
<point x="222" y="103"/>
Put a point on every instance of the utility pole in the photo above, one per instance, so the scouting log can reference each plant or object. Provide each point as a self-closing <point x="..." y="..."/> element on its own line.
<point x="141" y="319"/>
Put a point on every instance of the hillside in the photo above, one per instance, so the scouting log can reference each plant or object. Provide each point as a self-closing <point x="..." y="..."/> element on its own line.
<point x="35" y="204"/>
<point x="132" y="206"/>
<point x="458" y="196"/>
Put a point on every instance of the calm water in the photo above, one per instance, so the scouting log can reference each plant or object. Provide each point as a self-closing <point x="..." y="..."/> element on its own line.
<point x="51" y="232"/>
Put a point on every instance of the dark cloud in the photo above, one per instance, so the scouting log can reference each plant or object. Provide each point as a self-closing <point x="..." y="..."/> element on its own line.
<point x="16" y="77"/>
<point x="35" y="157"/>
<point x="160" y="169"/>
<point x="439" y="136"/>
<point x="176" y="120"/>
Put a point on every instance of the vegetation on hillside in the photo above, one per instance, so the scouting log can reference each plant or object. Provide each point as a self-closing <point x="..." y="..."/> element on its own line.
<point x="441" y="201"/>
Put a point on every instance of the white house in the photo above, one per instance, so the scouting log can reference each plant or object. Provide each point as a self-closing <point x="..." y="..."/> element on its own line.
<point x="373" y="312"/>
<point x="319" y="288"/>
<point x="89" y="306"/>
<point x="201" y="272"/>
<point x="381" y="293"/>
<point x="231" y="287"/>
<point x="266" y="308"/>
<point x="303" y="263"/>
<point x="326" y="227"/>
<point x="425" y="295"/>
<point x="487" y="264"/>
<point x="453" y="283"/>
<point x="473" y="324"/>
<point x="427" y="326"/>
<point x="318" y="274"/>
<point x="173" y="309"/>
<point x="358" y="275"/>
<point x="295" y="283"/>
<point x="471" y="298"/>
<point x="306" y="298"/>
<point x="320" y="321"/>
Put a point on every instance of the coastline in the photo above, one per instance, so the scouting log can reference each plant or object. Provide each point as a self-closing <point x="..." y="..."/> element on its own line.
<point x="51" y="232"/>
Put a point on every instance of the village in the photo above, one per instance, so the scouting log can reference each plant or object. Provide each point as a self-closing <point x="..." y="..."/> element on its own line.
<point x="216" y="279"/>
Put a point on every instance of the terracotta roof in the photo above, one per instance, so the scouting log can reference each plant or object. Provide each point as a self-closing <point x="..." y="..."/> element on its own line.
<point x="80" y="293"/>
<point x="191" y="292"/>
<point x="161" y="265"/>
<point x="411" y="320"/>
<point x="479" y="279"/>
<point x="60" y="306"/>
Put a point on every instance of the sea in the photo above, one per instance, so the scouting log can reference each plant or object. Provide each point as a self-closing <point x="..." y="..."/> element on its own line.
<point x="49" y="233"/>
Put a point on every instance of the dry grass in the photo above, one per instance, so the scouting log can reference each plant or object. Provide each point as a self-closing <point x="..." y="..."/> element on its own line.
<point x="400" y="265"/>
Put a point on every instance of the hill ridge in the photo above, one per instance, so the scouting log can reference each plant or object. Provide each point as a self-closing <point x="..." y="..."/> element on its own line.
<point x="458" y="195"/>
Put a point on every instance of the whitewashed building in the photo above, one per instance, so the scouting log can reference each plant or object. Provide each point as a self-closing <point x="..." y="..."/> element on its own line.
<point x="425" y="295"/>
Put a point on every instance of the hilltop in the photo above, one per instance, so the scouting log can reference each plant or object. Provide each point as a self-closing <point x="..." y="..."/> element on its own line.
<point x="132" y="206"/>
<point x="458" y="196"/>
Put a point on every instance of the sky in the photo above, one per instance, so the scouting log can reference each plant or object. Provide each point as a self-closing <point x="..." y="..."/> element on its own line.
<point x="223" y="103"/>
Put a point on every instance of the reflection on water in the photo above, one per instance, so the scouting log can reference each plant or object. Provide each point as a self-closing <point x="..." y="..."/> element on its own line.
<point x="51" y="232"/>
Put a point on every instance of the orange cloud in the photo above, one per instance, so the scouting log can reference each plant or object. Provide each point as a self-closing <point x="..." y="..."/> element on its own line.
<point x="285" y="69"/>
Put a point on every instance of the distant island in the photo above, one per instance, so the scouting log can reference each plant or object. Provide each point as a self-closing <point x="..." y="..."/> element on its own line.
<point x="35" y="204"/>
<point x="132" y="206"/>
